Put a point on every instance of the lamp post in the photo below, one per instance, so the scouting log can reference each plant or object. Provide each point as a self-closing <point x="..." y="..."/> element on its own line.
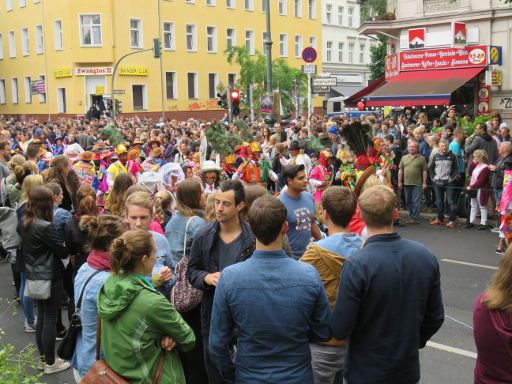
<point x="268" y="46"/>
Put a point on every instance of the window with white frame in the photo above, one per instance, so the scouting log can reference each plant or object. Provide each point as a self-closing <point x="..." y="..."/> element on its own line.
<point x="230" y="37"/>
<point x="249" y="5"/>
<point x="351" y="17"/>
<point x="230" y="3"/>
<point x="312" y="41"/>
<point x="39" y="39"/>
<point x="209" y="2"/>
<point x="90" y="30"/>
<point x="9" y="5"/>
<point x="42" y="96"/>
<point x="362" y="49"/>
<point x="28" y="90"/>
<point x="283" y="45"/>
<point x="340" y="15"/>
<point x="25" y="50"/>
<point x="37" y="1"/>
<point x="136" y="33"/>
<point x="2" y="91"/>
<point x="281" y="5"/>
<point x="14" y="86"/>
<point x="264" y="5"/>
<point x="249" y="41"/>
<point x="297" y="8"/>
<point x="212" y="85"/>
<point x="192" y="85"/>
<point x="190" y="1"/>
<point x="191" y="37"/>
<point x="297" y="45"/>
<point x="170" y="85"/>
<point x="12" y="44"/>
<point x="169" y="42"/>
<point x="351" y="53"/>
<point x="1" y="46"/>
<point x="328" y="51"/>
<point x="23" y="3"/>
<point x="328" y="13"/>
<point x="340" y="52"/>
<point x="211" y="39"/>
<point x="312" y="9"/>
<point x="57" y="31"/>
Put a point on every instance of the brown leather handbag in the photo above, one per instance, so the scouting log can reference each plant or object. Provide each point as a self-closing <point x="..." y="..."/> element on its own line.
<point x="101" y="373"/>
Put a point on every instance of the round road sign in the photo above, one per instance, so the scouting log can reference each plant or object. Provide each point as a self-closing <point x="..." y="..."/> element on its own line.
<point x="309" y="54"/>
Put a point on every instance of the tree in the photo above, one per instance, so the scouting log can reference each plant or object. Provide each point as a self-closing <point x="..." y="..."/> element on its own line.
<point x="378" y="58"/>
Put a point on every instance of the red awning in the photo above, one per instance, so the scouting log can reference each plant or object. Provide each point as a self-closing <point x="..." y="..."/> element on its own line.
<point x="352" y="101"/>
<point x="421" y="88"/>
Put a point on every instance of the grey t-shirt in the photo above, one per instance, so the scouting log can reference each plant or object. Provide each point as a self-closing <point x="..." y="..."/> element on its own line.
<point x="4" y="171"/>
<point x="229" y="252"/>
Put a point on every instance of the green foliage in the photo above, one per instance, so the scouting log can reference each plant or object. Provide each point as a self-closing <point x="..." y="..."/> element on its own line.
<point x="372" y="8"/>
<point x="313" y="143"/>
<point x="469" y="128"/>
<point x="221" y="139"/>
<point x="113" y="135"/>
<point x="244" y="133"/>
<point x="378" y="57"/>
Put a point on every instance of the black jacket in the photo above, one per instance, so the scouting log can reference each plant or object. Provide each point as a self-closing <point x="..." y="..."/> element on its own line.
<point x="204" y="259"/>
<point x="42" y="251"/>
<point x="499" y="173"/>
<point x="77" y="242"/>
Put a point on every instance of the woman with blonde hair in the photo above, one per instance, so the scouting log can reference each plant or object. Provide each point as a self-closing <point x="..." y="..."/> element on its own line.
<point x="163" y="207"/>
<point x="117" y="197"/>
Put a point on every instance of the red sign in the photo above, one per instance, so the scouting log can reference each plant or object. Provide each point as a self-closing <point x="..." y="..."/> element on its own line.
<point x="417" y="38"/>
<point x="392" y="66"/>
<point x="444" y="58"/>
<point x="483" y="98"/>
<point x="459" y="32"/>
<point x="309" y="54"/>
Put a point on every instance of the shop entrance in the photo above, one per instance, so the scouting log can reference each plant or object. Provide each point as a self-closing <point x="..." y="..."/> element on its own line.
<point x="95" y="86"/>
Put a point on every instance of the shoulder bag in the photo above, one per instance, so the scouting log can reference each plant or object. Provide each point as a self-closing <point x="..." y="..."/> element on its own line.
<point x="38" y="289"/>
<point x="101" y="373"/>
<point x="67" y="346"/>
<point x="184" y="296"/>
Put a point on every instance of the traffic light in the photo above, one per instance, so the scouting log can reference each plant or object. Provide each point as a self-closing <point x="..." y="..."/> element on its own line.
<point x="223" y="103"/>
<point x="235" y="102"/>
<point x="119" y="106"/>
<point x="157" y="48"/>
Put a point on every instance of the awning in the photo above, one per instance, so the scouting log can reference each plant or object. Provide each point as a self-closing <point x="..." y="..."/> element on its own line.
<point x="356" y="97"/>
<point x="421" y="88"/>
<point x="346" y="90"/>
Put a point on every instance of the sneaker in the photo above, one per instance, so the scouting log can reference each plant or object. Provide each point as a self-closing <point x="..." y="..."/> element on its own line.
<point x="500" y="252"/>
<point x="411" y="221"/>
<point x="450" y="224"/>
<point x="58" y="366"/>
<point x="436" y="222"/>
<point x="495" y="230"/>
<point x="40" y="365"/>
<point x="30" y="328"/>
<point x="61" y="335"/>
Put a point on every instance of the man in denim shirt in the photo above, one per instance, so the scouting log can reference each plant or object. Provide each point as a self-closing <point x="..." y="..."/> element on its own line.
<point x="277" y="306"/>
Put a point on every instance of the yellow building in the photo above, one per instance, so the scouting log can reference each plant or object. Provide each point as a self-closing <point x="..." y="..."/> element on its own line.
<point x="57" y="56"/>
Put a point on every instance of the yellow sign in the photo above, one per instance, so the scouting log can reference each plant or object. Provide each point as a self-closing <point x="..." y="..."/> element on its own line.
<point x="496" y="78"/>
<point x="62" y="72"/>
<point x="133" y="71"/>
<point x="100" y="90"/>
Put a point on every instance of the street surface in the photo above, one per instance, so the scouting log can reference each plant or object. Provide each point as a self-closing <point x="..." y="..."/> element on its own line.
<point x="467" y="261"/>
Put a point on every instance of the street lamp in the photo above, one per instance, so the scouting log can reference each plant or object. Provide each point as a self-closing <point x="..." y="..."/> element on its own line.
<point x="268" y="46"/>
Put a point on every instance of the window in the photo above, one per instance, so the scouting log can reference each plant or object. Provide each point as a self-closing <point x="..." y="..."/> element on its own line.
<point x="14" y="83"/>
<point x="37" y="1"/>
<point x="282" y="7"/>
<point x="9" y="5"/>
<point x="42" y="95"/>
<point x="90" y="30"/>
<point x="249" y="42"/>
<point x="340" y="52"/>
<point x="231" y="79"/>
<point x="312" y="42"/>
<point x="230" y="3"/>
<point x="328" y="51"/>
<point x="351" y="53"/>
<point x="2" y="91"/>
<point x="61" y="100"/>
<point x="57" y="31"/>
<point x="140" y="97"/>
<point x="12" y="44"/>
<point x="1" y="46"/>
<point x="328" y="13"/>
<point x="135" y="33"/>
<point x="28" y="90"/>
<point x="362" y="48"/>
<point x="210" y="2"/>
<point x="39" y="39"/>
<point x="283" y="45"/>
<point x="297" y="8"/>
<point x="249" y="5"/>
<point x="211" y="39"/>
<point x="23" y="3"/>
<point x="170" y="85"/>
<point x="191" y="37"/>
<point x="340" y="15"/>
<point x="351" y="17"/>
<point x="24" y="42"/>
<point x="212" y="85"/>
<point x="190" y="1"/>
<point x="297" y="47"/>
<point x="230" y="37"/>
<point x="169" y="36"/>
<point x="192" y="85"/>
<point x="264" y="5"/>
<point x="312" y="9"/>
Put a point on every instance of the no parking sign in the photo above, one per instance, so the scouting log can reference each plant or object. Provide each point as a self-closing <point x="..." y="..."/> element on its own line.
<point x="309" y="54"/>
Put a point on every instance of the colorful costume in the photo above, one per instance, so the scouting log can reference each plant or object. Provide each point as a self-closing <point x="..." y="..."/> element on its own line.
<point x="321" y="175"/>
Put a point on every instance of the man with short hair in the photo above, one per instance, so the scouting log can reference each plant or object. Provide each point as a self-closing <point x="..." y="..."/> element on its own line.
<point x="226" y="241"/>
<point x="301" y="209"/>
<point x="482" y="140"/>
<point x="5" y="156"/>
<point x="498" y="170"/>
<point x="276" y="305"/>
<point x="328" y="256"/>
<point x="389" y="302"/>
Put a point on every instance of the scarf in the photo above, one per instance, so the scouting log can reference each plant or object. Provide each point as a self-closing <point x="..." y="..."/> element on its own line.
<point x="99" y="260"/>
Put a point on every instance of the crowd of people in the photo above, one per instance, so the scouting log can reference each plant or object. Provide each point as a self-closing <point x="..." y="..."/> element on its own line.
<point x="211" y="260"/>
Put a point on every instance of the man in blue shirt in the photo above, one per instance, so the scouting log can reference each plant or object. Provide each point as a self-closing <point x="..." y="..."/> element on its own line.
<point x="300" y="208"/>
<point x="277" y="305"/>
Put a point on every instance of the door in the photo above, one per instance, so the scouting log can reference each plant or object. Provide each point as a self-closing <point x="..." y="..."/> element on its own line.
<point x="138" y="97"/>
<point x="92" y="85"/>
<point x="61" y="100"/>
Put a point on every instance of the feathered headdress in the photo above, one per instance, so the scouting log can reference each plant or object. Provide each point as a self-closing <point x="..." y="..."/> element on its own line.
<point x="358" y="136"/>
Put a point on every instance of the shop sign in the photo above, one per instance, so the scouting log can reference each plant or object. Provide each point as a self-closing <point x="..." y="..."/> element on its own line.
<point x="417" y="38"/>
<point x="100" y="90"/>
<point x="93" y="71"/>
<point x="483" y="97"/>
<point x="133" y="71"/>
<point x="496" y="78"/>
<point x="444" y="58"/>
<point x="392" y="65"/>
<point x="60" y="73"/>
<point x="459" y="33"/>
<point x="267" y="104"/>
<point x="495" y="55"/>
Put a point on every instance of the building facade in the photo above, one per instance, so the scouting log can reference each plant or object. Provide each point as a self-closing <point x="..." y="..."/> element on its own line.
<point x="57" y="56"/>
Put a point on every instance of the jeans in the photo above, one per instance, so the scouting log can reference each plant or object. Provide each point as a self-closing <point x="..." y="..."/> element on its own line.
<point x="445" y="202"/>
<point x="327" y="363"/>
<point x="413" y="200"/>
<point x="46" y="328"/>
<point x="27" y="304"/>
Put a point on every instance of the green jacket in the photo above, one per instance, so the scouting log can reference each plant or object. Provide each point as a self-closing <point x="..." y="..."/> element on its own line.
<point x="134" y="317"/>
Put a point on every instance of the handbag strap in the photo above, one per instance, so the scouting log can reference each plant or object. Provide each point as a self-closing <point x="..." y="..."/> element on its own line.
<point x="79" y="302"/>
<point x="159" y="367"/>
<point x="185" y="239"/>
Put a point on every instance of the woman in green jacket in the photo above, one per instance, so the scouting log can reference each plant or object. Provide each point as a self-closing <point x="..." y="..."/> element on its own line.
<point x="138" y="323"/>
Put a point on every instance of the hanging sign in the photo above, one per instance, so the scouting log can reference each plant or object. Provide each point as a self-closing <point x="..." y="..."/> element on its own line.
<point x="444" y="58"/>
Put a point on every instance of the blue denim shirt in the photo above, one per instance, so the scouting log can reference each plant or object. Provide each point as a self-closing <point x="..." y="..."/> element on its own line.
<point x="344" y="244"/>
<point x="163" y="251"/>
<point x="278" y="306"/>
<point x="60" y="218"/>
<point x="175" y="234"/>
<point x="85" y="351"/>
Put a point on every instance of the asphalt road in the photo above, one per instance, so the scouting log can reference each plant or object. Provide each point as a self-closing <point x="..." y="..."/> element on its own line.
<point x="449" y="359"/>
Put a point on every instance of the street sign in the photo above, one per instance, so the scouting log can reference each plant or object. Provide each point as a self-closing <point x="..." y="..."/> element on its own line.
<point x="321" y="89"/>
<point x="309" y="69"/>
<point x="309" y="54"/>
<point x="220" y="88"/>
<point x="325" y="81"/>
<point x="496" y="78"/>
<point x="119" y="92"/>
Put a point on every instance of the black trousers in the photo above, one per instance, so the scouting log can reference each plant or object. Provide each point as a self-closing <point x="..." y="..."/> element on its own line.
<point x="46" y="328"/>
<point x="193" y="360"/>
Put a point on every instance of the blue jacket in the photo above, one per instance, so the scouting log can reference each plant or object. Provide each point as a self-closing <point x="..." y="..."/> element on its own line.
<point x="389" y="304"/>
<point x="175" y="234"/>
<point x="278" y="306"/>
